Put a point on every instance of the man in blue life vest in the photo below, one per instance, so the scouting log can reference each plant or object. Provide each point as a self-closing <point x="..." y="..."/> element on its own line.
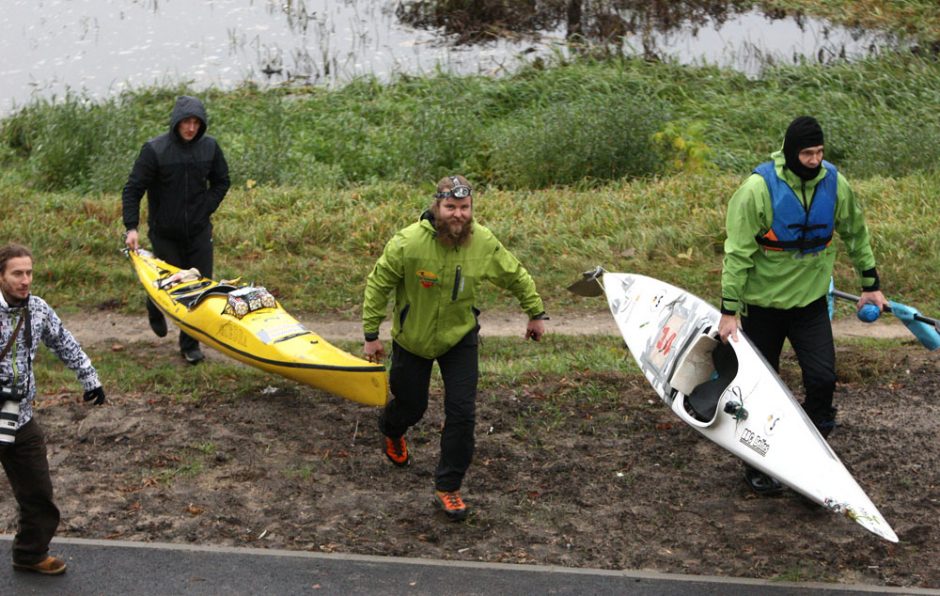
<point x="778" y="264"/>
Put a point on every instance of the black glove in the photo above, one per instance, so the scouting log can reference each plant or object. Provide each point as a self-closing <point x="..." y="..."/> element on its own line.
<point x="96" y="394"/>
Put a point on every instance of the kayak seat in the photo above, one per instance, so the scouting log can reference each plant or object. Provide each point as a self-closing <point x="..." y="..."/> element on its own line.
<point x="695" y="365"/>
<point x="703" y="401"/>
<point x="189" y="289"/>
<point x="190" y="301"/>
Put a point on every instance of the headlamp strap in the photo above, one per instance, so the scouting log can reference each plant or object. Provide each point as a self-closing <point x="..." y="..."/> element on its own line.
<point x="455" y="183"/>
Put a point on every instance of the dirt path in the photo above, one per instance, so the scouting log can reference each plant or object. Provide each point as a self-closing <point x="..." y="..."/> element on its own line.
<point x="105" y="327"/>
<point x="562" y="475"/>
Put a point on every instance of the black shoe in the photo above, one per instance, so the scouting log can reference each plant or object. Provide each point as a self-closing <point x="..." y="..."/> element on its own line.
<point x="761" y="483"/>
<point x="193" y="356"/>
<point x="825" y="427"/>
<point x="158" y="324"/>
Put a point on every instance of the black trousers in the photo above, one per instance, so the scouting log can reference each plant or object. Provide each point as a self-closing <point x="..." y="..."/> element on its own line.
<point x="810" y="333"/>
<point x="27" y="469"/>
<point x="409" y="380"/>
<point x="195" y="252"/>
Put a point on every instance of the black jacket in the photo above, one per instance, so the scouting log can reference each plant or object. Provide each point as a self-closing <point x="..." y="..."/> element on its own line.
<point x="184" y="182"/>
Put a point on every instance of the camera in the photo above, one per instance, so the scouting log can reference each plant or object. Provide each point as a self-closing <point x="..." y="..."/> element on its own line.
<point x="9" y="415"/>
<point x="9" y="393"/>
<point x="9" y="412"/>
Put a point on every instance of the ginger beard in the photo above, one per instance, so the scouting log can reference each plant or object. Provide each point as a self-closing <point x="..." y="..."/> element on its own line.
<point x="453" y="220"/>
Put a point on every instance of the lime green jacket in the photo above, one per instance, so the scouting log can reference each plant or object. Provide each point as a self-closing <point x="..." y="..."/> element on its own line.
<point x="752" y="274"/>
<point x="436" y="287"/>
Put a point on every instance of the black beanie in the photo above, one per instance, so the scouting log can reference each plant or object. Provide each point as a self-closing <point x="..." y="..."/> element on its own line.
<point x="803" y="132"/>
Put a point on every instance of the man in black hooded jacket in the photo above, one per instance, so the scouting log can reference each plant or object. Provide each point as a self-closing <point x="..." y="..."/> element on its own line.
<point x="185" y="176"/>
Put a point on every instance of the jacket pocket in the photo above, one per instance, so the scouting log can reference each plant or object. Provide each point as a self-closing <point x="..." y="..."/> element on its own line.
<point x="402" y="316"/>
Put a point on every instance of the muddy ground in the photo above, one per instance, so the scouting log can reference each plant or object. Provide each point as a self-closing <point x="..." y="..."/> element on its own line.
<point x="581" y="485"/>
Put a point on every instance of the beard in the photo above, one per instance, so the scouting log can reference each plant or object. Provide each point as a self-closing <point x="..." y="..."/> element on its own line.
<point x="12" y="300"/>
<point x="451" y="234"/>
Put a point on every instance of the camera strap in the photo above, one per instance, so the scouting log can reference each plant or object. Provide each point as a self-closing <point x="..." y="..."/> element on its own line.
<point x="19" y="325"/>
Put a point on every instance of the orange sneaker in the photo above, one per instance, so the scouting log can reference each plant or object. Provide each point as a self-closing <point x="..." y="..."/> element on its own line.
<point x="396" y="450"/>
<point x="48" y="566"/>
<point x="451" y="503"/>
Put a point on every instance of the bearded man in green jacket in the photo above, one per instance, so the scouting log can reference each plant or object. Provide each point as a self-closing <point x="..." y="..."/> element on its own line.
<point x="434" y="267"/>
<point x="778" y="266"/>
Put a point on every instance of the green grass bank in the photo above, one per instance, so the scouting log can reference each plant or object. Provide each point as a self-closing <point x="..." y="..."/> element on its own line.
<point x="621" y="163"/>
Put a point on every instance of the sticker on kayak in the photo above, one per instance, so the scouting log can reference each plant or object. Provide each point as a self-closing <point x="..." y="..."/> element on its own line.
<point x="755" y="442"/>
<point x="773" y="421"/>
<point x="664" y="343"/>
<point x="275" y="334"/>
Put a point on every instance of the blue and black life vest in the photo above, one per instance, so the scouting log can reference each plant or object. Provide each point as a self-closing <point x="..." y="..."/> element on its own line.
<point x="795" y="228"/>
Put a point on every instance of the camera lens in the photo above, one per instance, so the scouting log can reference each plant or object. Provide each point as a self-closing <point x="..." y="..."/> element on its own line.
<point x="9" y="415"/>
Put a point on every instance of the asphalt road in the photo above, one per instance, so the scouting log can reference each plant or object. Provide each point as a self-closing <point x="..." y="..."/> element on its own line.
<point x="104" y="567"/>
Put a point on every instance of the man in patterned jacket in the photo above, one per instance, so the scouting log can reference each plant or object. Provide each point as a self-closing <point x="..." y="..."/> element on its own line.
<point x="24" y="321"/>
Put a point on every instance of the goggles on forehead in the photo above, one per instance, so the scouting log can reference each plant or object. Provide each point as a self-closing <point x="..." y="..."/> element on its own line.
<point x="459" y="191"/>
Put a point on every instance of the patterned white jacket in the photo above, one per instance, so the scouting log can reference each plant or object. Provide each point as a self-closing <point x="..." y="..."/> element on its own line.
<point x="17" y="366"/>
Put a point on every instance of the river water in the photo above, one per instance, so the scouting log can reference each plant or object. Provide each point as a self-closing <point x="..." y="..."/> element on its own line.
<point x="100" y="47"/>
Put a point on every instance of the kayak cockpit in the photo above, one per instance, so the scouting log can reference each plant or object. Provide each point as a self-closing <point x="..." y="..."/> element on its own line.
<point x="701" y="376"/>
<point x="192" y="300"/>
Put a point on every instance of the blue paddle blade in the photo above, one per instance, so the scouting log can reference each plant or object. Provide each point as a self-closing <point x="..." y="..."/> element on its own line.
<point x="831" y="299"/>
<point x="925" y="333"/>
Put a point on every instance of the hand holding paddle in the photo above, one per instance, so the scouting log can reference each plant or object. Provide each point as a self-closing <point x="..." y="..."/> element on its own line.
<point x="925" y="329"/>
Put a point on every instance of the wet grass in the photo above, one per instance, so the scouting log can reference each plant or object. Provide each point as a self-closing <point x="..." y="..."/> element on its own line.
<point x="918" y="20"/>
<point x="560" y="375"/>
<point x="581" y="122"/>
<point x="314" y="247"/>
<point x="619" y="163"/>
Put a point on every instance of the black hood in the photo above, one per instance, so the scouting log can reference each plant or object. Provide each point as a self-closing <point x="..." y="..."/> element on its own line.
<point x="185" y="107"/>
<point x="803" y="132"/>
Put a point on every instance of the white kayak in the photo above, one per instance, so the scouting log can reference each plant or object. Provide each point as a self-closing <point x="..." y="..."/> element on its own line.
<point x="728" y="392"/>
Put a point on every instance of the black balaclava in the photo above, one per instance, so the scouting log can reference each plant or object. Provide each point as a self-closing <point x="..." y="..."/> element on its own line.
<point x="803" y="132"/>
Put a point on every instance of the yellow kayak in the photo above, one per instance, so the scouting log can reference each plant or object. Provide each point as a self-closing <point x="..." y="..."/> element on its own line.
<point x="249" y="325"/>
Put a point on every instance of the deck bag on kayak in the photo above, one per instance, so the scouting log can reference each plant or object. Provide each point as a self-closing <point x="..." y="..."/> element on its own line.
<point x="248" y="299"/>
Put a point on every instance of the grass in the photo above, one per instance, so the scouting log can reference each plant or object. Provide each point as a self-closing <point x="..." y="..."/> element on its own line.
<point x="315" y="247"/>
<point x="581" y="122"/>
<point x="917" y="20"/>
<point x="801" y="572"/>
<point x="621" y="163"/>
<point x="559" y="374"/>
<point x="137" y="370"/>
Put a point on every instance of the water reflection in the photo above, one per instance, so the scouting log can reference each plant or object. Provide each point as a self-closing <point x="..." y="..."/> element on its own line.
<point x="595" y="20"/>
<point x="102" y="47"/>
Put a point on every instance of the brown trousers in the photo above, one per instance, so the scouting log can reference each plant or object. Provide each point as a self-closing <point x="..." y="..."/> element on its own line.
<point x="27" y="469"/>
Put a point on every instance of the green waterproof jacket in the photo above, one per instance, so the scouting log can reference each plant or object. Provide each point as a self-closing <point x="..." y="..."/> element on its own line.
<point x="436" y="287"/>
<point x="752" y="274"/>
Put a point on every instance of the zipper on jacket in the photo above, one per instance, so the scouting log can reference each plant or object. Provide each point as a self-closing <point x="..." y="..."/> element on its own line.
<point x="806" y="208"/>
<point x="453" y="295"/>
